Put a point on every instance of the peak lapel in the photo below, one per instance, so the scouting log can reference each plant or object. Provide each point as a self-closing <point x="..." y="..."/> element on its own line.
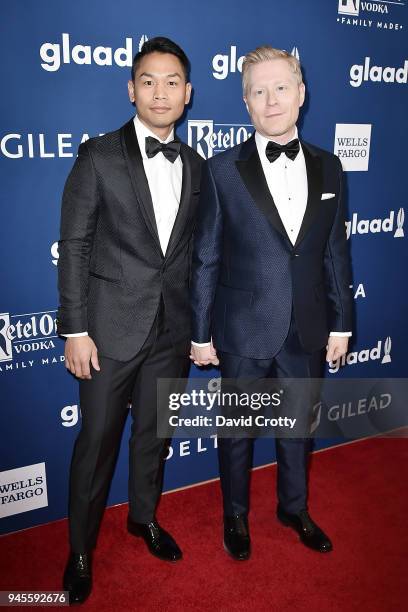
<point x="254" y="179"/>
<point x="314" y="188"/>
<point x="184" y="206"/>
<point x="137" y="174"/>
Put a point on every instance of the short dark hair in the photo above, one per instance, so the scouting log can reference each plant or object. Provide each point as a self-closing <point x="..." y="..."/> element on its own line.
<point x="160" y="44"/>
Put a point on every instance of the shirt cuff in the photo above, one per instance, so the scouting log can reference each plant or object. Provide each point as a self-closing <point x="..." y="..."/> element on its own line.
<point x="201" y="344"/>
<point x="341" y="334"/>
<point x="78" y="335"/>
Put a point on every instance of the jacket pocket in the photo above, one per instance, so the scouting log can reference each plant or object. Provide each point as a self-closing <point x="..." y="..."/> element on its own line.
<point x="104" y="278"/>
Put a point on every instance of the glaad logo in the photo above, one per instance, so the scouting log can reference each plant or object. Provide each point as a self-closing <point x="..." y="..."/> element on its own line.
<point x="357" y="12"/>
<point x="23" y="489"/>
<point x="207" y="137"/>
<point x="364" y="355"/>
<point x="352" y="145"/>
<point x="53" y="54"/>
<point x="54" y="253"/>
<point x="70" y="415"/>
<point x="223" y="65"/>
<point x="360" y="73"/>
<point x="374" y="226"/>
<point x="25" y="333"/>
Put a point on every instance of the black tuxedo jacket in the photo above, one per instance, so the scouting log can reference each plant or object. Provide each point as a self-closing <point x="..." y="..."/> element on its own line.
<point x="246" y="274"/>
<point x="111" y="270"/>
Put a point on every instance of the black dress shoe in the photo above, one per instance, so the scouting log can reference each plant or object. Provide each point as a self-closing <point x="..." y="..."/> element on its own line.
<point x="310" y="534"/>
<point x="78" y="577"/>
<point x="158" y="541"/>
<point x="236" y="537"/>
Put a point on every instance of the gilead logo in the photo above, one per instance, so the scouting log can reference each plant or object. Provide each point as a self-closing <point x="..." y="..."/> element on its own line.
<point x="55" y="54"/>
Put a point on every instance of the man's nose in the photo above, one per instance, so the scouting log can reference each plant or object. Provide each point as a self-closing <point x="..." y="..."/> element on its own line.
<point x="271" y="98"/>
<point x="160" y="92"/>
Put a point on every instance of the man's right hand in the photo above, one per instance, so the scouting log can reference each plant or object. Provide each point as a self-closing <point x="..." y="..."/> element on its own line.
<point x="79" y="353"/>
<point x="204" y="355"/>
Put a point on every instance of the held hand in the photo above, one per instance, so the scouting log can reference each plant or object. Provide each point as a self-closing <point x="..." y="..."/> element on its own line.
<point x="336" y="347"/>
<point x="204" y="355"/>
<point x="78" y="353"/>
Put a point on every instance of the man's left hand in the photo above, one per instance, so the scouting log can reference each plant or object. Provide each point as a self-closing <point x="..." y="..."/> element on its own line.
<point x="336" y="347"/>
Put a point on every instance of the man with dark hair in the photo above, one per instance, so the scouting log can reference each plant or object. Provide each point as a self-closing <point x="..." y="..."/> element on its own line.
<point x="127" y="218"/>
<point x="160" y="44"/>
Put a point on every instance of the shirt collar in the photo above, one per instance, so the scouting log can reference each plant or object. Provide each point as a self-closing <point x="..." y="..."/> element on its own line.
<point x="262" y="141"/>
<point x="142" y="132"/>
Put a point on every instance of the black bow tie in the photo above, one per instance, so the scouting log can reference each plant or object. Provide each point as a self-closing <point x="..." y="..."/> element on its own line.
<point x="170" y="150"/>
<point x="273" y="150"/>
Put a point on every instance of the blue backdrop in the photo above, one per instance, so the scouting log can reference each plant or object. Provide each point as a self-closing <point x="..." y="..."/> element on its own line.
<point x="64" y="77"/>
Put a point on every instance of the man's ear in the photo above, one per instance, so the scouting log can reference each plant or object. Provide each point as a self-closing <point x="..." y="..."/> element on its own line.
<point x="246" y="103"/>
<point x="302" y="93"/>
<point x="189" y="90"/>
<point x="131" y="91"/>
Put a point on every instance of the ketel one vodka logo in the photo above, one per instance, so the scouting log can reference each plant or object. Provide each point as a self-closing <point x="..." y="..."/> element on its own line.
<point x="393" y="224"/>
<point x="23" y="333"/>
<point x="381" y="351"/>
<point x="349" y="7"/>
<point x="207" y="137"/>
<point x="379" y="14"/>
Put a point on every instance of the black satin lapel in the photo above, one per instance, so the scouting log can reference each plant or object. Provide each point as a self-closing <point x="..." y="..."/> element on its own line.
<point x="184" y="207"/>
<point x="138" y="177"/>
<point x="253" y="176"/>
<point x="314" y="188"/>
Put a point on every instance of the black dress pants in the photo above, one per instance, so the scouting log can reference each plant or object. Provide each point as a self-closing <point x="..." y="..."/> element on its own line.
<point x="104" y="402"/>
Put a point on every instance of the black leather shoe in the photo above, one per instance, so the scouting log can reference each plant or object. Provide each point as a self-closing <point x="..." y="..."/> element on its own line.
<point x="236" y="537"/>
<point x="310" y="534"/>
<point x="78" y="577"/>
<point x="158" y="541"/>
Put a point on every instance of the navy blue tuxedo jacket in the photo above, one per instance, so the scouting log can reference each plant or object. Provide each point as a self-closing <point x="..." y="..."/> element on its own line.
<point x="246" y="274"/>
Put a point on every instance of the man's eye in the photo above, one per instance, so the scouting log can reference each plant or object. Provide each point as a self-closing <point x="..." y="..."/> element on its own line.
<point x="258" y="92"/>
<point x="148" y="82"/>
<point x="172" y="83"/>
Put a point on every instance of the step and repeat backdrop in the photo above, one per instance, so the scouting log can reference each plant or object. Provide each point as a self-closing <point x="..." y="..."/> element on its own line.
<point x="64" y="74"/>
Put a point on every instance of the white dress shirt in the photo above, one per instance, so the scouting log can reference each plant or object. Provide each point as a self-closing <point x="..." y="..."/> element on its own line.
<point x="165" y="181"/>
<point x="287" y="183"/>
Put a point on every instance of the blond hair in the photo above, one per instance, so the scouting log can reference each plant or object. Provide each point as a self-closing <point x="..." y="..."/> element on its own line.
<point x="265" y="54"/>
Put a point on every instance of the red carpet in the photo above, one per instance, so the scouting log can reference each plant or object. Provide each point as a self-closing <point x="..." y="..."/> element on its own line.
<point x="358" y="493"/>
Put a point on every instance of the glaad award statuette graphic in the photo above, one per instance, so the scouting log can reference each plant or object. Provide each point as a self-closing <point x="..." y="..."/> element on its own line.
<point x="399" y="232"/>
<point x="387" y="351"/>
